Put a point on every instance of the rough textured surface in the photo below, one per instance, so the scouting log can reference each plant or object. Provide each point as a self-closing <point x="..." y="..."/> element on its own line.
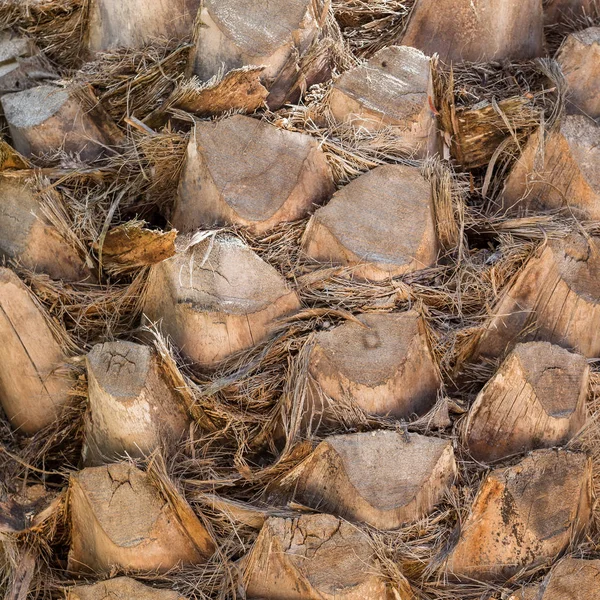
<point x="132" y="408"/>
<point x="46" y="118"/>
<point x="555" y="298"/>
<point x="381" y="224"/>
<point x="524" y="516"/>
<point x="562" y="173"/>
<point x="120" y="588"/>
<point x="121" y="522"/>
<point x="313" y="557"/>
<point x="247" y="172"/>
<point x="390" y="89"/>
<point x="217" y="298"/>
<point x="26" y="235"/>
<point x="383" y="478"/>
<point x="385" y="367"/>
<point x="579" y="59"/>
<point x="477" y="30"/>
<point x="536" y="399"/>
<point x="135" y="23"/>
<point x="32" y="389"/>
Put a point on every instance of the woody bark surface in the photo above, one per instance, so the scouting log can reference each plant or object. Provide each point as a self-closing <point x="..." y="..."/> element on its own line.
<point x="120" y="588"/>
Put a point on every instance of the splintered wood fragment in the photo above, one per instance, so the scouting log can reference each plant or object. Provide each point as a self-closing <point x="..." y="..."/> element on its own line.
<point x="121" y="522"/>
<point x="524" y="516"/>
<point x="217" y="298"/>
<point x="569" y="11"/>
<point x="236" y="33"/>
<point x="381" y="224"/>
<point x="313" y="557"/>
<point x="383" y="478"/>
<point x="27" y="236"/>
<point x="384" y="367"/>
<point x="10" y="158"/>
<point x="46" y="119"/>
<point x="247" y="172"/>
<point x="136" y="23"/>
<point x="131" y="245"/>
<point x="33" y="391"/>
<point x="536" y="399"/>
<point x="558" y="171"/>
<point x="579" y="59"/>
<point x="393" y="88"/>
<point x="120" y="588"/>
<point x="481" y="31"/>
<point x="570" y="579"/>
<point x="132" y="409"/>
<point x="555" y="298"/>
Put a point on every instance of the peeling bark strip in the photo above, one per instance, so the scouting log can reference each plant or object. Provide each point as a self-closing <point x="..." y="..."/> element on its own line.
<point x="120" y="522"/>
<point x="477" y="30"/>
<point x="120" y="588"/>
<point x="315" y="557"/>
<point x="382" y="478"/>
<point x="32" y="393"/>
<point x="384" y="367"/>
<point x="524" y="516"/>
<point x="381" y="224"/>
<point x="217" y="298"/>
<point x="393" y="88"/>
<point x="247" y="172"/>
<point x="535" y="400"/>
<point x="132" y="409"/>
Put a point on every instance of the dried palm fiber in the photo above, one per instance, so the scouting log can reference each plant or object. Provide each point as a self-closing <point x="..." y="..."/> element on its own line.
<point x="489" y="108"/>
<point x="569" y="22"/>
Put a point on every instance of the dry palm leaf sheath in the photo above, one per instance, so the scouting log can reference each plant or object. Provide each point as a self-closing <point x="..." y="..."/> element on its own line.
<point x="299" y="299"/>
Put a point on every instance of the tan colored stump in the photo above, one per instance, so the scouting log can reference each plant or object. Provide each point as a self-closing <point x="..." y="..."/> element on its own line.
<point x="393" y="88"/>
<point x="564" y="174"/>
<point x="382" y="478"/>
<point x="385" y="367"/>
<point x="33" y="392"/>
<point x="536" y="399"/>
<point x="135" y="23"/>
<point x="236" y="33"/>
<point x="120" y="522"/>
<point x="27" y="236"/>
<point x="46" y="119"/>
<point x="132" y="408"/>
<point x="477" y="30"/>
<point x="555" y="298"/>
<point x="524" y="516"/>
<point x="120" y="588"/>
<point x="313" y="557"/>
<point x="381" y="224"/>
<point x="579" y="59"/>
<point x="217" y="298"/>
<point x="247" y="172"/>
<point x="570" y="579"/>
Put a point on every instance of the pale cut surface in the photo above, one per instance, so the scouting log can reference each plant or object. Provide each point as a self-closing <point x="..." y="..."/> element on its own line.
<point x="579" y="59"/>
<point x="524" y="516"/>
<point x="120" y="522"/>
<point x="217" y="298"/>
<point x="555" y="298"/>
<point x="26" y="235"/>
<point x="562" y="173"/>
<point x="382" y="478"/>
<point x="247" y="172"/>
<point x="132" y="409"/>
<point x="135" y="23"/>
<point x="313" y="557"/>
<point x="385" y="367"/>
<point x="536" y="399"/>
<point x="120" y="588"/>
<point x="381" y="223"/>
<point x="477" y="30"/>
<point x="19" y="60"/>
<point x="33" y="391"/>
<point x="390" y="89"/>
